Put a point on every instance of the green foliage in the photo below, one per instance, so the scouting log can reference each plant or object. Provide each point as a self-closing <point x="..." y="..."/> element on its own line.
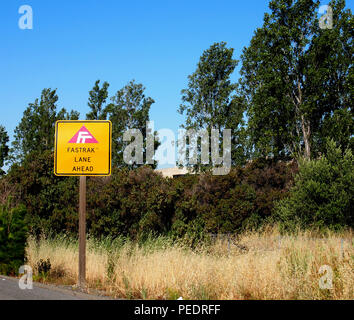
<point x="210" y="101"/>
<point x="208" y="96"/>
<point x="129" y="203"/>
<point x="323" y="193"/>
<point x="141" y="203"/>
<point x="339" y="127"/>
<point x="51" y="201"/>
<point x="227" y="204"/>
<point x="35" y="132"/>
<point x="129" y="110"/>
<point x="97" y="100"/>
<point x="13" y="234"/>
<point x="297" y="77"/>
<point x="4" y="148"/>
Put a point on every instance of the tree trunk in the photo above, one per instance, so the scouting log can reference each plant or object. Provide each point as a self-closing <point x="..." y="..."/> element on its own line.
<point x="306" y="132"/>
<point x="305" y="124"/>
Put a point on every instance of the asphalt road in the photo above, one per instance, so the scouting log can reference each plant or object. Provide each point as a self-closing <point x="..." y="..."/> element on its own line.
<point x="10" y="290"/>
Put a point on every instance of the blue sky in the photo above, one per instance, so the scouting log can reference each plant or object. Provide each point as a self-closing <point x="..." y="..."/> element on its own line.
<point x="74" y="43"/>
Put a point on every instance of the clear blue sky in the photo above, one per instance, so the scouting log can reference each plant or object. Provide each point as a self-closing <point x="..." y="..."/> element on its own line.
<point x="74" y="43"/>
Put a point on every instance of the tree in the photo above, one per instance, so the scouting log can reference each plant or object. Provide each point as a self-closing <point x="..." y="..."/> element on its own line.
<point x="97" y="99"/>
<point x="35" y="132"/>
<point x="322" y="195"/>
<point x="64" y="115"/>
<point x="296" y="76"/>
<point x="4" y="148"/>
<point x="210" y="101"/>
<point x="129" y="110"/>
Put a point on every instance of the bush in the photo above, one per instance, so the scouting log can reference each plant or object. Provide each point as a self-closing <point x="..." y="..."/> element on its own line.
<point x="134" y="203"/>
<point x="241" y="200"/>
<point x="323" y="193"/>
<point x="129" y="203"/>
<point x="13" y="234"/>
<point x="51" y="201"/>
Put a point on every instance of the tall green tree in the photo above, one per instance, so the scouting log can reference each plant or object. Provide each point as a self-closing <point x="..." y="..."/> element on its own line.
<point x="297" y="77"/>
<point x="211" y="100"/>
<point x="97" y="100"/>
<point x="129" y="110"/>
<point x="4" y="148"/>
<point x="35" y="132"/>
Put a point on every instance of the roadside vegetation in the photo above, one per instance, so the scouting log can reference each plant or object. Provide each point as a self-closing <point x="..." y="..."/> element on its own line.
<point x="254" y="265"/>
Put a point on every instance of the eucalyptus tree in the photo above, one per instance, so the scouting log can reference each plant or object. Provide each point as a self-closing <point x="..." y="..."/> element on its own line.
<point x="211" y="100"/>
<point x="297" y="79"/>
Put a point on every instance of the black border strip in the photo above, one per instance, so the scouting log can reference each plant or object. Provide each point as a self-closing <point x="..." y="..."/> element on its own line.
<point x="228" y="309"/>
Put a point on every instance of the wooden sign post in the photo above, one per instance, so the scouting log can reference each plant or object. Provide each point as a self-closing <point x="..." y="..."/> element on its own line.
<point x="82" y="233"/>
<point x="83" y="148"/>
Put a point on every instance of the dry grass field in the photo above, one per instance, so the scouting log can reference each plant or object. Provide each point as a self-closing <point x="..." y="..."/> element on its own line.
<point x="256" y="265"/>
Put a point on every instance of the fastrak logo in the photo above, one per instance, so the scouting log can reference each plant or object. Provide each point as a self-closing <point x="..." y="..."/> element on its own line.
<point x="83" y="136"/>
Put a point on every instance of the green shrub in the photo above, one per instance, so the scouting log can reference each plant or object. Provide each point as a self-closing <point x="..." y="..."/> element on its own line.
<point x="139" y="202"/>
<point x="13" y="234"/>
<point x="241" y="200"/>
<point x="51" y="201"/>
<point x="129" y="203"/>
<point x="323" y="193"/>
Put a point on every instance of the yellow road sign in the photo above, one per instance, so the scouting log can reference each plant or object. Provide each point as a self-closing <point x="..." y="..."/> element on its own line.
<point x="83" y="148"/>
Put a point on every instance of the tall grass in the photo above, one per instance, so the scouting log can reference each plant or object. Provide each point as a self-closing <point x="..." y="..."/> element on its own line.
<point x="255" y="265"/>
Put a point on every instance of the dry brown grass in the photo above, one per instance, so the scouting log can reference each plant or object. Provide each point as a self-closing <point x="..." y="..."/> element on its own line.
<point x="258" y="266"/>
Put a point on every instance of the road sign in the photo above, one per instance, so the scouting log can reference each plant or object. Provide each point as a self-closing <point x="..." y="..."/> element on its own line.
<point x="83" y="148"/>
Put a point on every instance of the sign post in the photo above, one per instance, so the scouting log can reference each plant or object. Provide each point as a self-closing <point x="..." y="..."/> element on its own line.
<point x="82" y="148"/>
<point x="82" y="233"/>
